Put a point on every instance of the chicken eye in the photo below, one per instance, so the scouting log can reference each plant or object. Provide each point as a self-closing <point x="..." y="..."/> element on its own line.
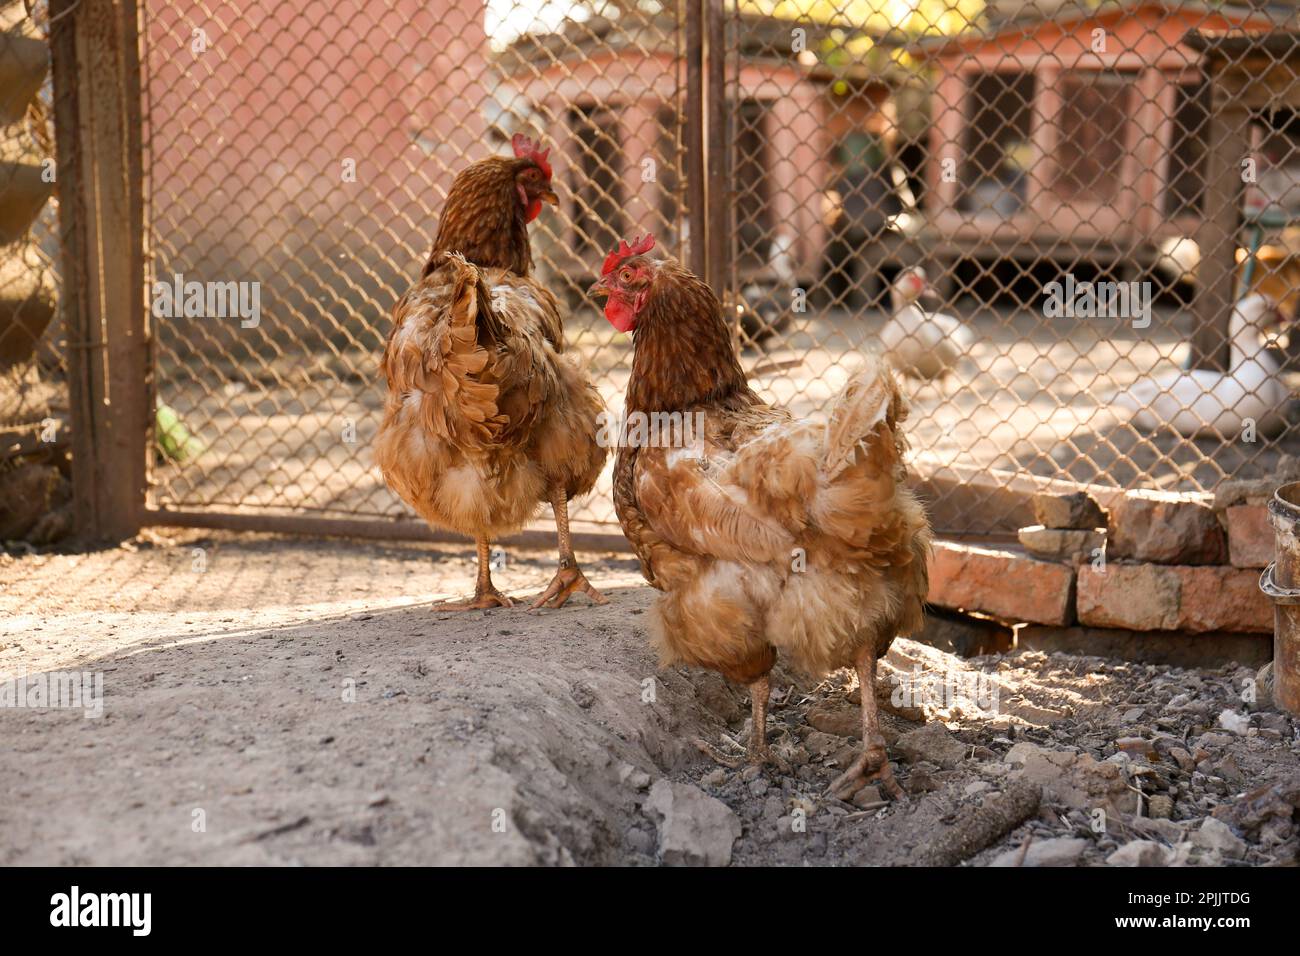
<point x="625" y="275"/>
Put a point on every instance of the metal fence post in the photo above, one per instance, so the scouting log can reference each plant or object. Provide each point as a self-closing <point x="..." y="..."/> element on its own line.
<point x="95" y="52"/>
<point x="695" y="168"/>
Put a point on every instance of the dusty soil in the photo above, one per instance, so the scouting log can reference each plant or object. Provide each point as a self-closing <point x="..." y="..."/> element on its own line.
<point x="282" y="701"/>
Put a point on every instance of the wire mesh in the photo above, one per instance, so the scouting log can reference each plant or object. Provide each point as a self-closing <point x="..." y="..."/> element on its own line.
<point x="1004" y="156"/>
<point x="1085" y="194"/>
<point x="303" y="152"/>
<point x="33" y="374"/>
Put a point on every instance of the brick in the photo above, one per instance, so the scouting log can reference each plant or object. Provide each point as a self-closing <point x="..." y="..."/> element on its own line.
<point x="1078" y="511"/>
<point x="1165" y="528"/>
<point x="1140" y="597"/>
<point x="1223" y="599"/>
<point x="1250" y="536"/>
<point x="1005" y="584"/>
<point x="1058" y="544"/>
<point x="1192" y="598"/>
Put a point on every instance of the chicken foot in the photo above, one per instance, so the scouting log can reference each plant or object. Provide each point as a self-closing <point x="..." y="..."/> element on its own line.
<point x="872" y="766"/>
<point x="485" y="593"/>
<point x="758" y="753"/>
<point x="569" y="580"/>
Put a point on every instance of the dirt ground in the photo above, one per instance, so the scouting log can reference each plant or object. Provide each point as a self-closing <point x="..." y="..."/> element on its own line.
<point x="287" y="701"/>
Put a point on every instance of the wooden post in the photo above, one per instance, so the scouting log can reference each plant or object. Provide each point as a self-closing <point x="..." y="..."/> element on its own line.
<point x="1216" y="236"/>
<point x="95" y="52"/>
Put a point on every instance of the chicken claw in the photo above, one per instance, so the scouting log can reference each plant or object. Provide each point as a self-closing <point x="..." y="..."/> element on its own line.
<point x="483" y="599"/>
<point x="872" y="766"/>
<point x="717" y="756"/>
<point x="754" y="757"/>
<point x="567" y="582"/>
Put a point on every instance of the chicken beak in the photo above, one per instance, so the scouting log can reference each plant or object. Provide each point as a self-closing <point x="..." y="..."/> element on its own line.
<point x="549" y="196"/>
<point x="598" y="289"/>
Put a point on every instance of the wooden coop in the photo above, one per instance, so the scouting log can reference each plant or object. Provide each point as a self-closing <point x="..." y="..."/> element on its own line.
<point x="606" y="95"/>
<point x="1076" y="139"/>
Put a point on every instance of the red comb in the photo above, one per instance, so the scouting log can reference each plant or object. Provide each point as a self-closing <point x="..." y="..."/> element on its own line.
<point x="624" y="251"/>
<point x="525" y="148"/>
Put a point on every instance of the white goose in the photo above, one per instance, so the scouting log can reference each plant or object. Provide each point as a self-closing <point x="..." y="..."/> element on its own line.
<point x="1207" y="402"/>
<point x="919" y="343"/>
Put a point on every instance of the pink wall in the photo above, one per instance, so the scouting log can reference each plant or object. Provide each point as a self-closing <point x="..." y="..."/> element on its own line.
<point x="245" y="142"/>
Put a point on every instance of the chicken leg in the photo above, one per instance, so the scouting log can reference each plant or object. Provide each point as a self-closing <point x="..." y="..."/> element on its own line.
<point x="569" y="579"/>
<point x="758" y="753"/>
<point x="485" y="593"/>
<point x="872" y="766"/>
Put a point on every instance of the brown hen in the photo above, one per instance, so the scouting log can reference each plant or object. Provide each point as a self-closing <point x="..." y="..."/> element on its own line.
<point x="486" y="417"/>
<point x="767" y="534"/>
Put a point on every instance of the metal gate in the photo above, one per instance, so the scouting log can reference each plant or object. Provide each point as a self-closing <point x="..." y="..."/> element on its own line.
<point x="804" y="155"/>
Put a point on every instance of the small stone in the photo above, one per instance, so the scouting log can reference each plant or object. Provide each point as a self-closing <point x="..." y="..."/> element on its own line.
<point x="640" y="841"/>
<point x="1137" y="747"/>
<point x="638" y="780"/>
<point x="1160" y="806"/>
<point x="758" y="787"/>
<point x="1234" y="722"/>
<point x="974" y="787"/>
<point x="1078" y="510"/>
<point x="1052" y="544"/>
<point x="837" y="719"/>
<point x="932" y="743"/>
<point x="715" y="778"/>
<point x="1141" y="853"/>
<point x="1183" y="759"/>
<point x="1058" y="851"/>
<point x="1275" y="722"/>
<point x="821" y="744"/>
<point x="1218" y="836"/>
<point x="920" y="781"/>
<point x="694" y="828"/>
<point x="751" y="773"/>
<point x="867" y="797"/>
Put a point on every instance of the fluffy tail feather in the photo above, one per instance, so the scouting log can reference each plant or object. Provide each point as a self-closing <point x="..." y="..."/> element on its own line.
<point x="447" y="366"/>
<point x="870" y="398"/>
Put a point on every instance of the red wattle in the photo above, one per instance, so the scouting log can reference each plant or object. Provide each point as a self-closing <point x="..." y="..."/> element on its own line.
<point x="620" y="315"/>
<point x="533" y="210"/>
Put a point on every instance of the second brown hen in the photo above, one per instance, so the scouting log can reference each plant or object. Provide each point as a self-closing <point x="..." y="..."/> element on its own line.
<point x="767" y="534"/>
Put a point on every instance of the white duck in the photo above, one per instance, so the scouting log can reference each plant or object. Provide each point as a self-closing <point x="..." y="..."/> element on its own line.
<point x="919" y="343"/>
<point x="1208" y="402"/>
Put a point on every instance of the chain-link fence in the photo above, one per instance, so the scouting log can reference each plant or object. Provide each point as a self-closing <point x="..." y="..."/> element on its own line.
<point x="1042" y="210"/>
<point x="1087" y="188"/>
<point x="33" y="374"/>
<point x="303" y="152"/>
